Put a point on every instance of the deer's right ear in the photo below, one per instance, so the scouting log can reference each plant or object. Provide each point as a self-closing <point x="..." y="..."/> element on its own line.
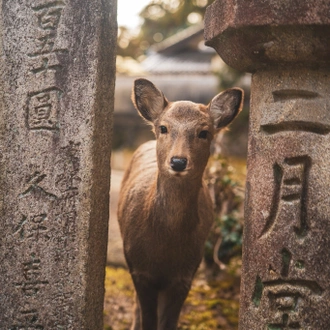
<point x="148" y="99"/>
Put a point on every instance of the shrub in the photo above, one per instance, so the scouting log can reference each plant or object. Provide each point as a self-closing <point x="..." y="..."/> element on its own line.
<point x="225" y="239"/>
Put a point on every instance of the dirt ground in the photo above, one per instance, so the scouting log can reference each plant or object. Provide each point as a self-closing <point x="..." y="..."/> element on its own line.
<point x="213" y="301"/>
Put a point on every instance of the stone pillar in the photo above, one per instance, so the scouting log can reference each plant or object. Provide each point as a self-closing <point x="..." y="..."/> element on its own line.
<point x="57" y="72"/>
<point x="286" y="254"/>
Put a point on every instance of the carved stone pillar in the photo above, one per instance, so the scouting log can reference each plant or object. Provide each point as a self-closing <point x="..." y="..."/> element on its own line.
<point x="286" y="253"/>
<point x="57" y="73"/>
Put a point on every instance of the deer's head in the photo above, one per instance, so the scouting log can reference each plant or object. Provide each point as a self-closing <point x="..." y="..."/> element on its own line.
<point x="184" y="130"/>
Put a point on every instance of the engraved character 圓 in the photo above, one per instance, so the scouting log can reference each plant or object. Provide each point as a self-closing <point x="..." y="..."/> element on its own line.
<point x="43" y="110"/>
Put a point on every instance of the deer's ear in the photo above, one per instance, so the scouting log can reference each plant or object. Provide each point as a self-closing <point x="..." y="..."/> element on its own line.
<point x="226" y="106"/>
<point x="148" y="99"/>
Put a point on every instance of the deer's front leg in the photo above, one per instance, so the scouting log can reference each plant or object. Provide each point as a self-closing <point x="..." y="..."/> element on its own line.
<point x="146" y="303"/>
<point x="136" y="325"/>
<point x="170" y="304"/>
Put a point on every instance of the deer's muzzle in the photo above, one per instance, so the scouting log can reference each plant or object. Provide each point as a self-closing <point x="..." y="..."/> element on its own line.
<point x="178" y="164"/>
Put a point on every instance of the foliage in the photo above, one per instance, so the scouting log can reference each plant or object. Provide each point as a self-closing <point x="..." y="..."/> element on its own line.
<point x="161" y="19"/>
<point x="225" y="239"/>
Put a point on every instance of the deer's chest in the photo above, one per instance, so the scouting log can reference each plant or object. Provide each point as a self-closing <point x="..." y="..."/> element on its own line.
<point x="165" y="247"/>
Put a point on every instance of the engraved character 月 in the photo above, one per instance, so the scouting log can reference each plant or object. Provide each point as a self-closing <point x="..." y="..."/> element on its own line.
<point x="290" y="189"/>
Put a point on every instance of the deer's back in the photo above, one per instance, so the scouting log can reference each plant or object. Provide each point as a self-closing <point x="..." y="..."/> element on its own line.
<point x="142" y="165"/>
<point x="136" y="182"/>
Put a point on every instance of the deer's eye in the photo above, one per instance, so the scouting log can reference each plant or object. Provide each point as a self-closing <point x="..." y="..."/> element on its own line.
<point x="203" y="134"/>
<point x="163" y="129"/>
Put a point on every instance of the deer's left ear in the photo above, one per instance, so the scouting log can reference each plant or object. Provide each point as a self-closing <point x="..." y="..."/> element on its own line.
<point x="226" y="106"/>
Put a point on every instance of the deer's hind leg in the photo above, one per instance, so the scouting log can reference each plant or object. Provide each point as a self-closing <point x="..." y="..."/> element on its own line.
<point x="146" y="304"/>
<point x="170" y="303"/>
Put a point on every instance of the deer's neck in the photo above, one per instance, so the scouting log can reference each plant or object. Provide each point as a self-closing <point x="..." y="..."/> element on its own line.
<point x="176" y="199"/>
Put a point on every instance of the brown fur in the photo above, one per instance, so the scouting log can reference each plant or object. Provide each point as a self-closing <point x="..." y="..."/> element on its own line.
<point x="164" y="214"/>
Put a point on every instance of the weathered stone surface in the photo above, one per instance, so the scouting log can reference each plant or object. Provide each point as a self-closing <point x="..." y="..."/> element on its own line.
<point x="286" y="252"/>
<point x="286" y="240"/>
<point x="57" y="76"/>
<point x="256" y="35"/>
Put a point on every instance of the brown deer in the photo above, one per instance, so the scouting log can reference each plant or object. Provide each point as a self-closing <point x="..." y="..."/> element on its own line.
<point x="165" y="210"/>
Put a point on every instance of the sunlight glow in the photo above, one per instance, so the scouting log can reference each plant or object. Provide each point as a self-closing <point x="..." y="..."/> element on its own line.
<point x="128" y="12"/>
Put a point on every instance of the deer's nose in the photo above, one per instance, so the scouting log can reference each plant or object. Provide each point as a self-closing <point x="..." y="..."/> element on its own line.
<point x="178" y="164"/>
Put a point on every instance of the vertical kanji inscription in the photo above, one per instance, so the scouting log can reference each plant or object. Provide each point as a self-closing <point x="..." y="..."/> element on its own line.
<point x="43" y="105"/>
<point x="57" y="77"/>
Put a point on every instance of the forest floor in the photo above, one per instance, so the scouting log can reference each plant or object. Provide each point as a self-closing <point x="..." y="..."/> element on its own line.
<point x="213" y="301"/>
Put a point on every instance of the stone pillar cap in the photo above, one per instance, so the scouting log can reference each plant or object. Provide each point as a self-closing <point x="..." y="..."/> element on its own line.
<point x="263" y="34"/>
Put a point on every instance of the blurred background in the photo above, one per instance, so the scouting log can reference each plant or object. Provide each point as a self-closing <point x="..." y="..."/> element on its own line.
<point x="163" y="42"/>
